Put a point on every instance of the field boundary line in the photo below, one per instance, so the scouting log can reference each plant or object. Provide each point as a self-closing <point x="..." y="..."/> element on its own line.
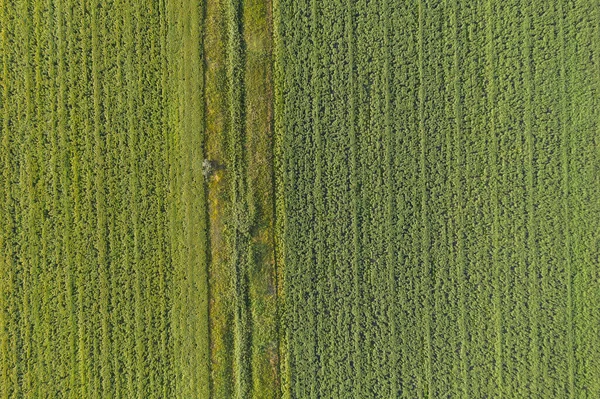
<point x="235" y="76"/>
<point x="4" y="369"/>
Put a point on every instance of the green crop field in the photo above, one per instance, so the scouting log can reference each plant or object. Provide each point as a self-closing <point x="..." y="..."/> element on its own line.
<point x="441" y="198"/>
<point x="297" y="199"/>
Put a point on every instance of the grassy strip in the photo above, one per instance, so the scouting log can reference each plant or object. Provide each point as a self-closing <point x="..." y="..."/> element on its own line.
<point x="262" y="273"/>
<point x="219" y="211"/>
<point x="241" y="216"/>
<point x="193" y="328"/>
<point x="244" y="349"/>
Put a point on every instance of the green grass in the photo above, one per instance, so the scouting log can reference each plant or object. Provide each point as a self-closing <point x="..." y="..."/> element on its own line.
<point x="402" y="202"/>
<point x="243" y="271"/>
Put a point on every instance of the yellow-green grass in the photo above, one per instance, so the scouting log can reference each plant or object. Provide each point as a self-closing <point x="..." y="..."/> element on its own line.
<point x="243" y="279"/>
<point x="258" y="83"/>
<point x="103" y="286"/>
<point x="220" y="276"/>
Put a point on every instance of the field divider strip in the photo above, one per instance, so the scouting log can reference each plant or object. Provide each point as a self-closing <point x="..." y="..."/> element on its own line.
<point x="4" y="337"/>
<point x="279" y="194"/>
<point x="242" y="369"/>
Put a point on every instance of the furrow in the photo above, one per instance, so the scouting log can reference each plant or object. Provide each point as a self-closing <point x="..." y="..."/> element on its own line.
<point x="459" y="160"/>
<point x="564" y="160"/>
<point x="357" y="355"/>
<point x="71" y="195"/>
<point x="533" y="301"/>
<point x="427" y="385"/>
<point x="390" y="209"/>
<point x="496" y="265"/>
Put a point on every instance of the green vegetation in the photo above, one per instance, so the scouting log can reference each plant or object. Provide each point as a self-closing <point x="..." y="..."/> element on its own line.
<point x="299" y="199"/>
<point x="103" y="241"/>
<point x="243" y="272"/>
<point x="439" y="213"/>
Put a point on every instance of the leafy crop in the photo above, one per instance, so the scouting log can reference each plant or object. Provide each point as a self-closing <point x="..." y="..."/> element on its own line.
<point x="299" y="199"/>
<point x="433" y="152"/>
<point x="103" y="286"/>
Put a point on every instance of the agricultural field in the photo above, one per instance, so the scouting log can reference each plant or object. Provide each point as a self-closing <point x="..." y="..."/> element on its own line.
<point x="441" y="165"/>
<point x="299" y="199"/>
<point x="103" y="240"/>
